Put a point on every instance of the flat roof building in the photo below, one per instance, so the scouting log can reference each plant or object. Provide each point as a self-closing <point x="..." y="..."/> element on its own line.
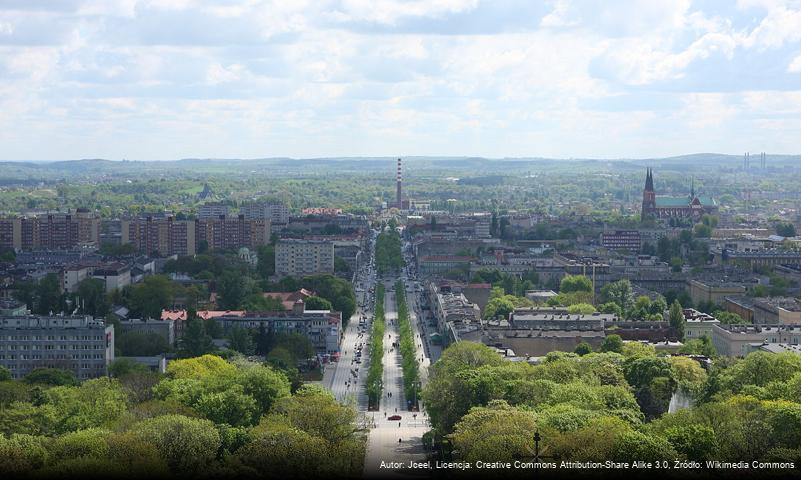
<point x="298" y="258"/>
<point x="77" y="343"/>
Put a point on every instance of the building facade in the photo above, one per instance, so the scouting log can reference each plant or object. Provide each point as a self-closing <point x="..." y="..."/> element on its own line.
<point x="621" y="240"/>
<point x="224" y="232"/>
<point x="54" y="231"/>
<point x="164" y="235"/>
<point x="322" y="327"/>
<point x="80" y="344"/>
<point x="298" y="258"/>
<point x="276" y="213"/>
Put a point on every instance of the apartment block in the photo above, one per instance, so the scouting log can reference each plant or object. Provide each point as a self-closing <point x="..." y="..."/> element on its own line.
<point x="276" y="213"/>
<point x="298" y="258"/>
<point x="224" y="232"/>
<point x="163" y="235"/>
<point x="11" y="233"/>
<point x="212" y="210"/>
<point x="55" y="231"/>
<point x="628" y="240"/>
<point x="79" y="343"/>
<point x="740" y="340"/>
<point x="322" y="327"/>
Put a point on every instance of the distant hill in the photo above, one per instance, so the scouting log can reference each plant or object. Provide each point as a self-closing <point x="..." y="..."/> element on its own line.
<point x="29" y="171"/>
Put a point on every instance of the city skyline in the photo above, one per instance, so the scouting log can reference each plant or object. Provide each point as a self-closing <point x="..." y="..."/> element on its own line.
<point x="250" y="79"/>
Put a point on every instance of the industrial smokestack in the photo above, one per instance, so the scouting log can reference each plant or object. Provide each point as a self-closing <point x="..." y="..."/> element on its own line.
<point x="398" y="193"/>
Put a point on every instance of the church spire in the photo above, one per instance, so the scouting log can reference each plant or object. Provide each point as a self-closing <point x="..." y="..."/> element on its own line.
<point x="692" y="187"/>
<point x="649" y="181"/>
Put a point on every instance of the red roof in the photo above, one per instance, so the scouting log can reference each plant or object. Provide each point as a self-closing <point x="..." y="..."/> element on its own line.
<point x="204" y="314"/>
<point x="289" y="298"/>
<point x="446" y="258"/>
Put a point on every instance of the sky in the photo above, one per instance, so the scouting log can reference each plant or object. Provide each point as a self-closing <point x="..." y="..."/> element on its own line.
<point x="169" y="79"/>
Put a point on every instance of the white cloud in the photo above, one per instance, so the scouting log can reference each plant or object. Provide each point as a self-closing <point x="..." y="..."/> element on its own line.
<point x="795" y="65"/>
<point x="217" y="73"/>
<point x="780" y="26"/>
<point x="579" y="77"/>
<point x="390" y="11"/>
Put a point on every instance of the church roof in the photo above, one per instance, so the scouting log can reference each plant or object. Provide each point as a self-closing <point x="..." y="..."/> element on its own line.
<point x="668" y="202"/>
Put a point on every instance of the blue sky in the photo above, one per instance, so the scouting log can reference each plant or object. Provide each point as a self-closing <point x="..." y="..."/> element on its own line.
<point x="166" y="79"/>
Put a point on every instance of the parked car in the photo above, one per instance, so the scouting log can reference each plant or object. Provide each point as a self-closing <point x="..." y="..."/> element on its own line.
<point x="394" y="417"/>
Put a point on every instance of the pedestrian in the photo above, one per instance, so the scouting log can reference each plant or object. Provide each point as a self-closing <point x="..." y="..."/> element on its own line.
<point x="399" y="424"/>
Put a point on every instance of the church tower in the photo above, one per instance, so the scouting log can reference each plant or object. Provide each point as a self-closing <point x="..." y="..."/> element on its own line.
<point x="648" y="196"/>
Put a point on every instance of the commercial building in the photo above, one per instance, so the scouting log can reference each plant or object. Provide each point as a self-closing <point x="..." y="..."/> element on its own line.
<point x="80" y="344"/>
<point x="298" y="258"/>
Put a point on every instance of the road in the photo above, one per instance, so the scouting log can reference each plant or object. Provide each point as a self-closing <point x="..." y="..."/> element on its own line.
<point x="383" y="444"/>
<point x="349" y="385"/>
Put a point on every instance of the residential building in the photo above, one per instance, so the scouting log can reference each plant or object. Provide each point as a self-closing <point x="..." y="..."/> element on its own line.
<point x="11" y="233"/>
<point x="225" y="232"/>
<point x="288" y="299"/>
<point x="298" y="258"/>
<point x="453" y="313"/>
<point x="740" y="340"/>
<point x="698" y="324"/>
<point x="12" y="308"/>
<point x="78" y="343"/>
<point x="55" y="231"/>
<point x="164" y="235"/>
<point x="163" y="328"/>
<point x="322" y="211"/>
<point x="115" y="276"/>
<point x="438" y="264"/>
<point x="713" y="291"/>
<point x="540" y="296"/>
<point x="212" y="210"/>
<point x="73" y="276"/>
<point x="276" y="213"/>
<point x="322" y="327"/>
<point x="628" y="240"/>
<point x="741" y="305"/>
<point x="555" y="318"/>
<point x="777" y="310"/>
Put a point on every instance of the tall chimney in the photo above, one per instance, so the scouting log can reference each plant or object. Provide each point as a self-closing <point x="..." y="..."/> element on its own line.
<point x="399" y="202"/>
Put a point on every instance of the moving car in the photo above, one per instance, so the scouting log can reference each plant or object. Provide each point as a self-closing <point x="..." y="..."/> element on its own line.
<point x="394" y="417"/>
